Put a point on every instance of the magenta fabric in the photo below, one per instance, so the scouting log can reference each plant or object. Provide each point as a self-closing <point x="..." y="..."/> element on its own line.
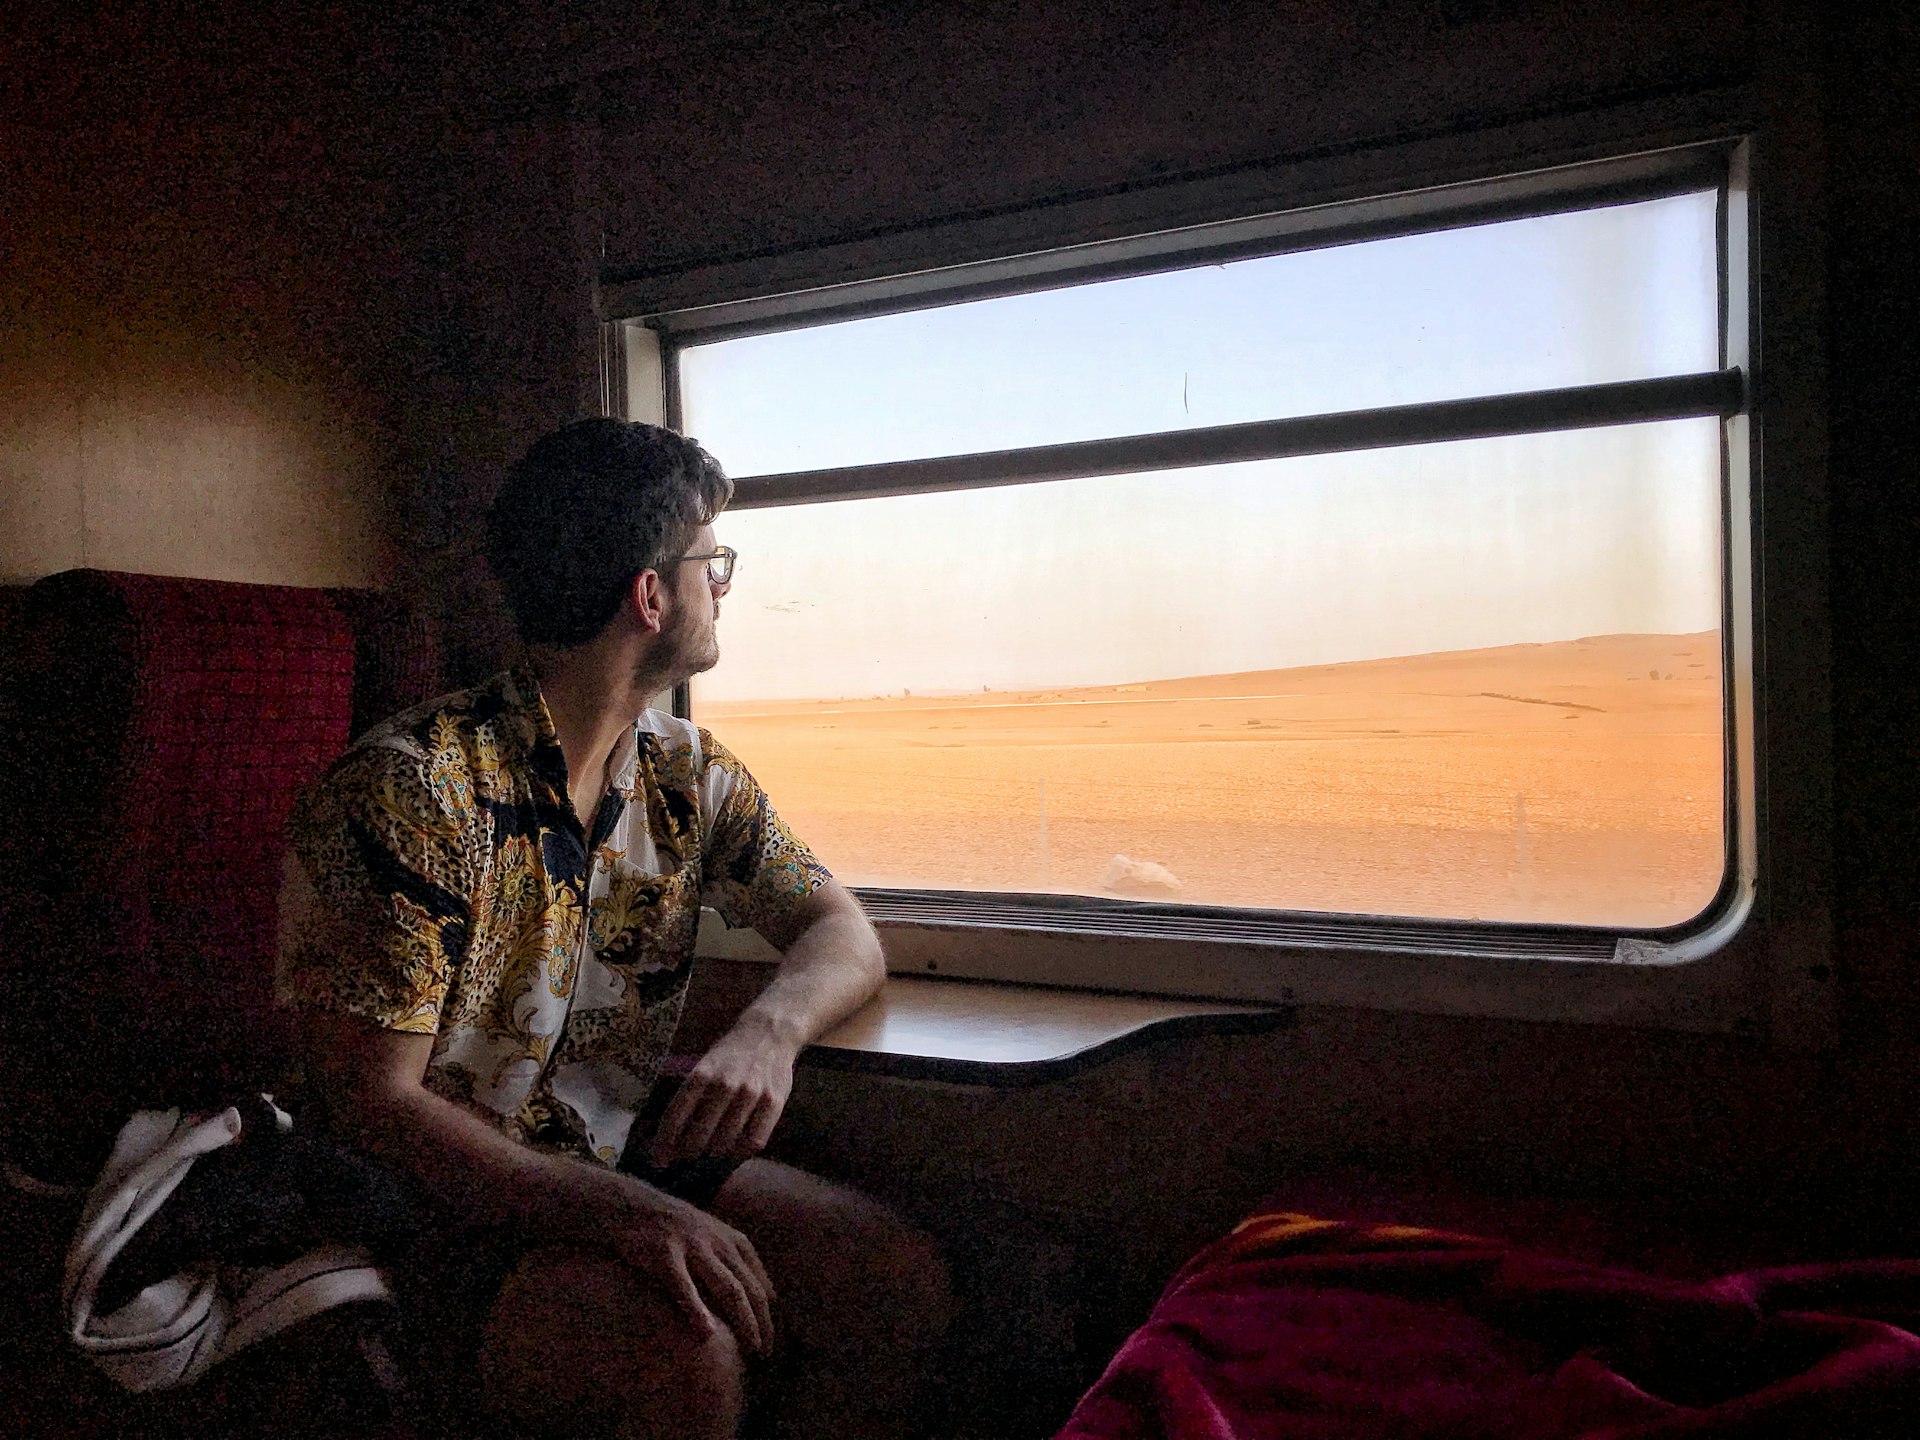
<point x="1299" y="1327"/>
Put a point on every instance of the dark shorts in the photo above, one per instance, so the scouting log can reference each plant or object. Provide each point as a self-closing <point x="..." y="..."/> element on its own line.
<point x="695" y="1181"/>
<point x="449" y="1280"/>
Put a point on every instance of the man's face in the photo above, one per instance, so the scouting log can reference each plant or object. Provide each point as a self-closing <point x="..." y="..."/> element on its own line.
<point x="689" y="644"/>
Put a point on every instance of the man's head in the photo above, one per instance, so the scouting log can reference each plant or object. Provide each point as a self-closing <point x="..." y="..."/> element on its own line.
<point x="590" y="507"/>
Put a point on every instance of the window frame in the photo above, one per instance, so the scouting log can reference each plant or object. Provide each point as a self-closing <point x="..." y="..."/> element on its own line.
<point x="1728" y="970"/>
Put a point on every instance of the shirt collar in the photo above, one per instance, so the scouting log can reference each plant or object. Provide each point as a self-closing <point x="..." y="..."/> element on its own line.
<point x="542" y="743"/>
<point x="535" y="733"/>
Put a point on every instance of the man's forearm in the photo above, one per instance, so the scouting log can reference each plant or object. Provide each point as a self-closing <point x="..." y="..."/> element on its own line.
<point x="471" y="1168"/>
<point x="735" y="1094"/>
<point x="832" y="968"/>
<point x="483" y="1178"/>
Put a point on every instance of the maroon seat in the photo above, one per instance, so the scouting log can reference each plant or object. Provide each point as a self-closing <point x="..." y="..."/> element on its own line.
<point x="398" y="659"/>
<point x="154" y="734"/>
<point x="164" y="728"/>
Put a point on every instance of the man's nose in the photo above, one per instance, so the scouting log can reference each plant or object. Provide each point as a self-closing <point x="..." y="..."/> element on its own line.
<point x="720" y="587"/>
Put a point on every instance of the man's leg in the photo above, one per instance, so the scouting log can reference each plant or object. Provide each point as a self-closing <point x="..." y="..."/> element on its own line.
<point x="860" y="1301"/>
<point x="579" y="1345"/>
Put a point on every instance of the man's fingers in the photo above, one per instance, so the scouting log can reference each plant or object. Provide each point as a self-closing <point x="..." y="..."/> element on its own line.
<point x="730" y="1134"/>
<point x="729" y="1289"/>
<point x="687" y="1295"/>
<point x="710" y="1270"/>
<point x="701" y="1127"/>
<point x="696" y="1137"/>
<point x="750" y="1261"/>
<point x="761" y="1295"/>
<point x="756" y="1136"/>
<point x="688" y="1124"/>
<point x="758" y="1286"/>
<point x="666" y="1138"/>
<point x="751" y="1258"/>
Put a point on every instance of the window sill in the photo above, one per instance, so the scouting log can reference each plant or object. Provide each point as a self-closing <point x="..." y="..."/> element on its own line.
<point x="974" y="1032"/>
<point x="1708" y="981"/>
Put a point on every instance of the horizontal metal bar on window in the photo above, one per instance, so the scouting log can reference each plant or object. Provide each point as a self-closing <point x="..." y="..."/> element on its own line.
<point x="1678" y="397"/>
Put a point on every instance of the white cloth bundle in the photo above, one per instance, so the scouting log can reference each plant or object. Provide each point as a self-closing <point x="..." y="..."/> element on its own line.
<point x="176" y="1329"/>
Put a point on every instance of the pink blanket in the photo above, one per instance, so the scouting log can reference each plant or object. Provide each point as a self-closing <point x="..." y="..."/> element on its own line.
<point x="1299" y="1327"/>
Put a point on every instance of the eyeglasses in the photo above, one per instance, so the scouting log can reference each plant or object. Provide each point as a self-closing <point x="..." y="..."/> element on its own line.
<point x="719" y="563"/>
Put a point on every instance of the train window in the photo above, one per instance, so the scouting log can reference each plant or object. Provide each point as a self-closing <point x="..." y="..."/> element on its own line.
<point x="1369" y="580"/>
<point x="1478" y="680"/>
<point x="1621" y="293"/>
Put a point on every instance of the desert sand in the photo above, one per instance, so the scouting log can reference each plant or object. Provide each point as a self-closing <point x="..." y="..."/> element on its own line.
<point x="1574" y="782"/>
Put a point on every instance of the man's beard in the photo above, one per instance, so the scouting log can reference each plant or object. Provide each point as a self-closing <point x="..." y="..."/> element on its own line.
<point x="687" y="651"/>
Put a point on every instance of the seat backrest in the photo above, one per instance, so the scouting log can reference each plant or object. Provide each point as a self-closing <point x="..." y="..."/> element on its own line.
<point x="166" y="727"/>
<point x="398" y="659"/>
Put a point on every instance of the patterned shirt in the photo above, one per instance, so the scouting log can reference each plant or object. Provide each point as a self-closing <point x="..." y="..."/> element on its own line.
<point x="438" y="880"/>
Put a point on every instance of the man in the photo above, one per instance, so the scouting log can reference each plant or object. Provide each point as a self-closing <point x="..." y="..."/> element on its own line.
<point x="488" y="935"/>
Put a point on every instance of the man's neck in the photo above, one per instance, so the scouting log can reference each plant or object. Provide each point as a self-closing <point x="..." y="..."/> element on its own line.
<point x="592" y="696"/>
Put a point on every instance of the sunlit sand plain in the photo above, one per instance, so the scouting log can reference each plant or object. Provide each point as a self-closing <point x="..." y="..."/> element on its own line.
<point x="1578" y="782"/>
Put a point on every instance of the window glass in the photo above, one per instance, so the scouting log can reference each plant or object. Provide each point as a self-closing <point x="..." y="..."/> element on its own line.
<point x="1586" y="297"/>
<point x="1477" y="680"/>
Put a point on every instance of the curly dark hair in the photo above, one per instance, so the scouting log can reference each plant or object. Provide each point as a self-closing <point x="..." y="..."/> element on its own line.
<point x="585" y="510"/>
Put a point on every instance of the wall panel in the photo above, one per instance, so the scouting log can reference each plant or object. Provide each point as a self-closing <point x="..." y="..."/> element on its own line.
<point x="190" y="357"/>
<point x="884" y="117"/>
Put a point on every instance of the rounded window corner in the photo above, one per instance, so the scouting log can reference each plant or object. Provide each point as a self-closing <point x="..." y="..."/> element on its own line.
<point x="1728" y="917"/>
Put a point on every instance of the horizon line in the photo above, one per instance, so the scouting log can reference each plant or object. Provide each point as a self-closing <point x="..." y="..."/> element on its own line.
<point x="951" y="694"/>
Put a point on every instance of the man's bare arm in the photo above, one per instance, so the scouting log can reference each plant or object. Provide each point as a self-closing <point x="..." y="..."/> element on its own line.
<point x="733" y="1097"/>
<point x="373" y="1083"/>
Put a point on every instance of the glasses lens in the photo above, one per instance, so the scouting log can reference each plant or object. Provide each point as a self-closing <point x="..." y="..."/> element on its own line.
<point x="720" y="568"/>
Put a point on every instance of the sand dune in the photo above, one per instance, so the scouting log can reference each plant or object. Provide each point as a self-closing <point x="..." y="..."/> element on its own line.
<point x="1576" y="781"/>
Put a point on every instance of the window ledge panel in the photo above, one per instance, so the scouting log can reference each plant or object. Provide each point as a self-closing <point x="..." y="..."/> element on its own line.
<point x="982" y="1033"/>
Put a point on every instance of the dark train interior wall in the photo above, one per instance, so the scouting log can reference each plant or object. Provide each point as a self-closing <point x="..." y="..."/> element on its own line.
<point x="281" y="295"/>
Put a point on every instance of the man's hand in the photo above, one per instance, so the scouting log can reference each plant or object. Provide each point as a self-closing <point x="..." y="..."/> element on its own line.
<point x="709" y="1268"/>
<point x="373" y="1078"/>
<point x="731" y="1100"/>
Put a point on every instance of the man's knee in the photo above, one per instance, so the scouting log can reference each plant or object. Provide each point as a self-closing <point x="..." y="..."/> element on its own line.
<point x="850" y="1274"/>
<point x="901" y="1285"/>
<point x="579" y="1344"/>
<point x="911" y="1270"/>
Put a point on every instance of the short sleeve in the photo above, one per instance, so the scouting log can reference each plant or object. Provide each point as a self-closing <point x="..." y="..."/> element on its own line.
<point x="757" y="872"/>
<point x="375" y="915"/>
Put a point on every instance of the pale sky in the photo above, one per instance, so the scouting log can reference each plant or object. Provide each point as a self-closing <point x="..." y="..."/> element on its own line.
<point x="1236" y="567"/>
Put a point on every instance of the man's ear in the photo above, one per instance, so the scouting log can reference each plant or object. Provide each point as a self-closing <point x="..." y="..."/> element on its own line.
<point x="646" y="599"/>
